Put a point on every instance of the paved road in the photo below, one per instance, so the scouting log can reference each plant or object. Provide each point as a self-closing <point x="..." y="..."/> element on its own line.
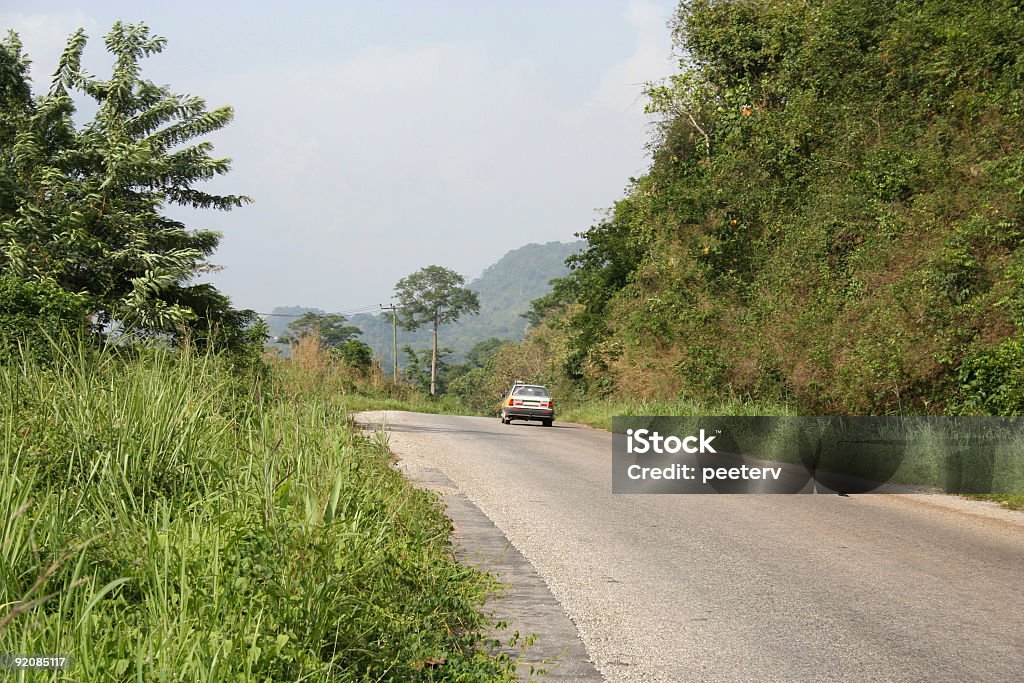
<point x="741" y="588"/>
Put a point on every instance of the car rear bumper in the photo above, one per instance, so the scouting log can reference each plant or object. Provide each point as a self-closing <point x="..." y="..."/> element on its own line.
<point x="529" y="413"/>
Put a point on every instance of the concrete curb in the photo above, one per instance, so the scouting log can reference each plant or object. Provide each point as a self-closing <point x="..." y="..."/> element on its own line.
<point x="527" y="604"/>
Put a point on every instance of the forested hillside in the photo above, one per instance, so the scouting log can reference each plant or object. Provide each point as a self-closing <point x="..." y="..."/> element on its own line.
<point x="832" y="217"/>
<point x="506" y="289"/>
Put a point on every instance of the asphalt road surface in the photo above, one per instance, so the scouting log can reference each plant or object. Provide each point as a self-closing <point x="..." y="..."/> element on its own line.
<point x="740" y="587"/>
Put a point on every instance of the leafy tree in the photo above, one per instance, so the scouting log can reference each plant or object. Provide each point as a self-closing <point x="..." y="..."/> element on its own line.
<point x="482" y="352"/>
<point x="504" y="290"/>
<point x="281" y="316"/>
<point x="329" y="328"/>
<point x="563" y="292"/>
<point x="433" y="296"/>
<point x="355" y="354"/>
<point x="34" y="313"/>
<point x="477" y="361"/>
<point x="84" y="206"/>
<point x="470" y="380"/>
<point x="16" y="107"/>
<point x="426" y="367"/>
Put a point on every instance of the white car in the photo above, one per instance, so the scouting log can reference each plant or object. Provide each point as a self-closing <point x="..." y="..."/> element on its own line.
<point x="528" y="402"/>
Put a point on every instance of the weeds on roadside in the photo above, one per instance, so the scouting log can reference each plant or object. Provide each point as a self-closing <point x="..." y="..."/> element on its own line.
<point x="599" y="413"/>
<point x="166" y="519"/>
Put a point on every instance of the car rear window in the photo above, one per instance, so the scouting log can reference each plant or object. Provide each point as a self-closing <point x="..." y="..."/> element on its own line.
<point x="530" y="391"/>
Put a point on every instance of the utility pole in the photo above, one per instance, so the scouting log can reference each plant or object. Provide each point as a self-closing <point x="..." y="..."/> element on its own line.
<point x="394" y="330"/>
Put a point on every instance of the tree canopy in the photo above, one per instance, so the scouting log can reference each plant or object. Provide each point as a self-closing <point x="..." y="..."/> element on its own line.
<point x="433" y="296"/>
<point x="83" y="206"/>
<point x="329" y="328"/>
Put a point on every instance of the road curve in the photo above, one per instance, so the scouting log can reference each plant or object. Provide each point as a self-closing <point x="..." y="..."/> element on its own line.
<point x="741" y="587"/>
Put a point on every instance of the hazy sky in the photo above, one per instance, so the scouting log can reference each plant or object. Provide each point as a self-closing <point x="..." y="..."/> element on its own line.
<point x="380" y="137"/>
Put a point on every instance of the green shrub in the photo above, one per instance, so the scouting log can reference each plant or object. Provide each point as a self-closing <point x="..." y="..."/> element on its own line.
<point x="992" y="381"/>
<point x="34" y="313"/>
<point x="354" y="353"/>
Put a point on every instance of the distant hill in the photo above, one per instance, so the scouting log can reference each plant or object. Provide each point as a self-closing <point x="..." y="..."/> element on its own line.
<point x="505" y="289"/>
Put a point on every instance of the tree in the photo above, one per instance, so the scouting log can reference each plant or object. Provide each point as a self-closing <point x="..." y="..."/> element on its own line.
<point x="33" y="314"/>
<point x="420" y="364"/>
<point x="330" y="329"/>
<point x="469" y="380"/>
<point x="483" y="352"/>
<point x="355" y="354"/>
<point x="433" y="296"/>
<point x="83" y="206"/>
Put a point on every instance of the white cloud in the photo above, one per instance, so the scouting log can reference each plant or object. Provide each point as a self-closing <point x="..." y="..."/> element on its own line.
<point x="383" y="68"/>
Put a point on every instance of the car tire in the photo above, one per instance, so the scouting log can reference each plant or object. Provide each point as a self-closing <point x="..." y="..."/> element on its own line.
<point x="547" y="423"/>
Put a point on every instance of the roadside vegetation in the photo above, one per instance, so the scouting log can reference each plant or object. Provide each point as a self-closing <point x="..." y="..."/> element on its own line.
<point x="173" y="505"/>
<point x="315" y="369"/>
<point x="170" y="517"/>
<point x="600" y="413"/>
<point x="1012" y="501"/>
<point x="833" y="223"/>
<point x="833" y="218"/>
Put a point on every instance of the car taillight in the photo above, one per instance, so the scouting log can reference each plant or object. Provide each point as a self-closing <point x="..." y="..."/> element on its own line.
<point x="518" y="403"/>
<point x="509" y="402"/>
<point x="547" y="404"/>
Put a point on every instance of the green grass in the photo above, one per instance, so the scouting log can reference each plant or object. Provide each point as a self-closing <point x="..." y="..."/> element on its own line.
<point x="1010" y="501"/>
<point x="313" y="373"/>
<point x="166" y="519"/>
<point x="416" y="403"/>
<point x="600" y="413"/>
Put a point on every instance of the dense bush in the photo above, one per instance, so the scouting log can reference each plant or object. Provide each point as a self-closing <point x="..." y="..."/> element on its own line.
<point x="354" y="353"/>
<point x="992" y="380"/>
<point x="833" y="216"/>
<point x="34" y="313"/>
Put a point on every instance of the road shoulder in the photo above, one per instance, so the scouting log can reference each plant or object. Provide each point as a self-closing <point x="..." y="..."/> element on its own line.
<point x="526" y="604"/>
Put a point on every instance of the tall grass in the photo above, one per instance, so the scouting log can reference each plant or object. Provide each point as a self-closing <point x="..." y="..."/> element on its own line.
<point x="164" y="518"/>
<point x="599" y="413"/>
<point x="312" y="372"/>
